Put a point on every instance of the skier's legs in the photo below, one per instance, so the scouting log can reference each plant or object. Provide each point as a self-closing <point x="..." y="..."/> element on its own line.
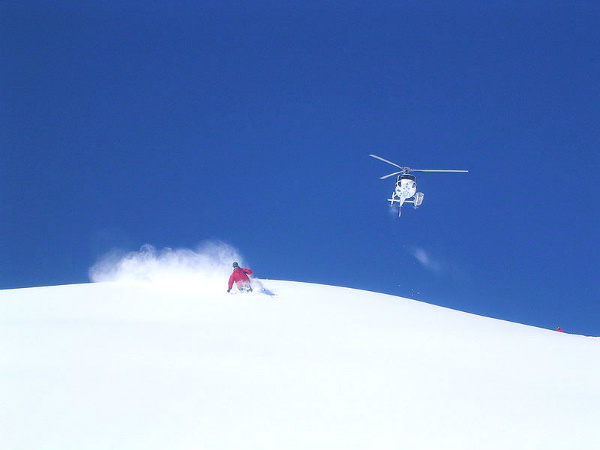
<point x="244" y="287"/>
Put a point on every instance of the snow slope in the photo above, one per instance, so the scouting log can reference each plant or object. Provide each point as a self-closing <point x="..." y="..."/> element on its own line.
<point x="144" y="366"/>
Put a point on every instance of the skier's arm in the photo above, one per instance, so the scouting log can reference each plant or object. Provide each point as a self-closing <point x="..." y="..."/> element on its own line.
<point x="248" y="271"/>
<point x="230" y="285"/>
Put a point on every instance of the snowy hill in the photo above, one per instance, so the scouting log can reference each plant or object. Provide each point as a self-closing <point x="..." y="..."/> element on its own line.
<point x="146" y="366"/>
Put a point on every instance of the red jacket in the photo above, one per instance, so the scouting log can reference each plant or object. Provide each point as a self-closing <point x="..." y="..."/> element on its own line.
<point x="240" y="276"/>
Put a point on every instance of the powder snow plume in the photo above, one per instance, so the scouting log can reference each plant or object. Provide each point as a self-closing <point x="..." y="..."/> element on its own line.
<point x="208" y="267"/>
<point x="426" y="260"/>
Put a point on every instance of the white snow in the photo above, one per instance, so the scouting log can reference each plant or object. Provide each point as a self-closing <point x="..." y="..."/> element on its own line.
<point x="150" y="366"/>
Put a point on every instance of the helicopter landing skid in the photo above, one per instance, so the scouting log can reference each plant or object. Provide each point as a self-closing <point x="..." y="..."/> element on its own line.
<point x="393" y="201"/>
<point x="416" y="200"/>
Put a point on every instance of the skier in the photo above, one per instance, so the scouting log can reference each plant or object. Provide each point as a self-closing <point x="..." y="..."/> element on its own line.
<point x="240" y="276"/>
<point x="559" y="329"/>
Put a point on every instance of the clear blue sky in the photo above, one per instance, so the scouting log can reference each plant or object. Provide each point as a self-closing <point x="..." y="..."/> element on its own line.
<point x="171" y="123"/>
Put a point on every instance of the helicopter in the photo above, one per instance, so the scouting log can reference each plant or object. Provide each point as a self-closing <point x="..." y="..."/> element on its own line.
<point x="406" y="185"/>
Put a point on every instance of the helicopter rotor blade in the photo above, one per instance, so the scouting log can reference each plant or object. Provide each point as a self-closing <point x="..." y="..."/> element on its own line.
<point x="408" y="169"/>
<point x="430" y="170"/>
<point x="386" y="161"/>
<point x="390" y="175"/>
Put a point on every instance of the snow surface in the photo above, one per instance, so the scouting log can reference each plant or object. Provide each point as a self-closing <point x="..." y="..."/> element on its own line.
<point x="118" y="365"/>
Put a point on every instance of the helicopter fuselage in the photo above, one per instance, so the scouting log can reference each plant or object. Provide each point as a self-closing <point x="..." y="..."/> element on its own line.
<point x="406" y="192"/>
<point x="406" y="187"/>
